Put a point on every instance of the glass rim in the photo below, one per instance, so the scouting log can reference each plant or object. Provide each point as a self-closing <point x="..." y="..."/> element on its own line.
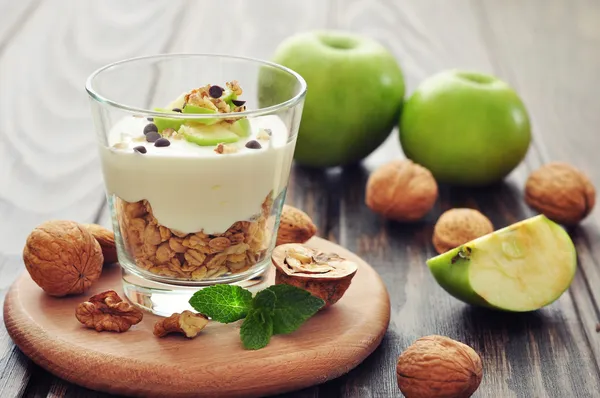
<point x="89" y="87"/>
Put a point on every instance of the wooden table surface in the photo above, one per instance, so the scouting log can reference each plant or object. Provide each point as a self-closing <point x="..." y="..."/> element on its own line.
<point x="549" y="50"/>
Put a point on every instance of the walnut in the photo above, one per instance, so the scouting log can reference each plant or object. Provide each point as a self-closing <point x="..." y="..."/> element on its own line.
<point x="295" y="226"/>
<point x="107" y="311"/>
<point x="438" y="367"/>
<point x="234" y="86"/>
<point x="63" y="258"/>
<point x="225" y="149"/>
<point x="106" y="238"/>
<point x="560" y="192"/>
<point x="324" y="275"/>
<point x="187" y="323"/>
<point x="459" y="226"/>
<point x="401" y="190"/>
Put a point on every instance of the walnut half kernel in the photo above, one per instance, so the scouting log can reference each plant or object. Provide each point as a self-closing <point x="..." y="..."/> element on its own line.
<point x="324" y="275"/>
<point x="187" y="323"/>
<point x="106" y="311"/>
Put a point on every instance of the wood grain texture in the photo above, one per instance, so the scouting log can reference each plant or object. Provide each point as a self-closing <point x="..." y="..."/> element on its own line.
<point x="212" y="365"/>
<point x="47" y="150"/>
<point x="546" y="49"/>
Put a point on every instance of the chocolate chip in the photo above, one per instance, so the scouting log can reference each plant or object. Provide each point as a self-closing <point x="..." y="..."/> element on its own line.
<point x="150" y="119"/>
<point x="215" y="91"/>
<point x="162" y="142"/>
<point x="140" y="149"/>
<point x="238" y="102"/>
<point x="177" y="110"/>
<point x="152" y="136"/>
<point x="253" y="144"/>
<point x="150" y="127"/>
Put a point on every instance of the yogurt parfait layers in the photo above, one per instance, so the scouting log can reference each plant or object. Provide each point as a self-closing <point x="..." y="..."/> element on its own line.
<point x="197" y="199"/>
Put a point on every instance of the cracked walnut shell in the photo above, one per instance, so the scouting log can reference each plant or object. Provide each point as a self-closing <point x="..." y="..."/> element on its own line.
<point x="62" y="257"/>
<point x="324" y="275"/>
<point x="456" y="227"/>
<point x="438" y="367"/>
<point x="401" y="190"/>
<point x="186" y="323"/>
<point x="295" y="226"/>
<point x="106" y="239"/>
<point x="106" y="311"/>
<point x="561" y="192"/>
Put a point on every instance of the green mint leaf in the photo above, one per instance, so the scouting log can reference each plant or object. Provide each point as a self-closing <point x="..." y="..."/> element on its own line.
<point x="257" y="329"/>
<point x="264" y="300"/>
<point x="222" y="303"/>
<point x="292" y="307"/>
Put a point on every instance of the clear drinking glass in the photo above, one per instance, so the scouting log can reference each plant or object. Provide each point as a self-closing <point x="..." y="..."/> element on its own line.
<point x="188" y="215"/>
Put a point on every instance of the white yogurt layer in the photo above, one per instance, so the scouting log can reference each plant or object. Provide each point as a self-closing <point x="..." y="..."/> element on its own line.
<point x="193" y="188"/>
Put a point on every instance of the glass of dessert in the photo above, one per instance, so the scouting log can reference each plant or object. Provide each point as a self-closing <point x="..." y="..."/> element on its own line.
<point x="196" y="153"/>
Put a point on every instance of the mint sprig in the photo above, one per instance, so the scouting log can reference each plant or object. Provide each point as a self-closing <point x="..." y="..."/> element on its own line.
<point x="292" y="308"/>
<point x="278" y="309"/>
<point x="222" y="303"/>
<point x="257" y="329"/>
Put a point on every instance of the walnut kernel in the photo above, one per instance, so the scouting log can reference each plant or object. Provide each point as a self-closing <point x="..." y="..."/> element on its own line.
<point x="459" y="226"/>
<point x="401" y="190"/>
<point x="63" y="258"/>
<point x="106" y="311"/>
<point x="324" y="275"/>
<point x="560" y="192"/>
<point x="438" y="367"/>
<point x="186" y="323"/>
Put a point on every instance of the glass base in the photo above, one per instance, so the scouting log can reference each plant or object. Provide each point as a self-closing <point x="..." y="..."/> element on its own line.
<point x="165" y="299"/>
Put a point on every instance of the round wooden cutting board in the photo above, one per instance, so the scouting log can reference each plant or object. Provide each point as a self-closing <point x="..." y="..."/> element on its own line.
<point x="214" y="364"/>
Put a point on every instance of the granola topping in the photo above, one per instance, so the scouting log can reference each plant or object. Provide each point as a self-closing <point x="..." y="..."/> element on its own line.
<point x="193" y="256"/>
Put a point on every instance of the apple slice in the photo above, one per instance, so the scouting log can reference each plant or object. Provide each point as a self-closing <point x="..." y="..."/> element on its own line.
<point x="208" y="135"/>
<point x="193" y="109"/>
<point x="178" y="102"/>
<point x="229" y="96"/>
<point x="241" y="127"/>
<point x="165" y="122"/>
<point x="522" y="267"/>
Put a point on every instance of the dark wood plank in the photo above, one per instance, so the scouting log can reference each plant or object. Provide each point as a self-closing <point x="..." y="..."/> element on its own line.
<point x="544" y="354"/>
<point x="553" y="61"/>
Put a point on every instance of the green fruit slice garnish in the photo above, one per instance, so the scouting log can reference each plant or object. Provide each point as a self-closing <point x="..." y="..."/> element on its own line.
<point x="193" y="109"/>
<point x="522" y="267"/>
<point x="208" y="135"/>
<point x="178" y="102"/>
<point x="241" y="127"/>
<point x="165" y="122"/>
<point x="228" y="96"/>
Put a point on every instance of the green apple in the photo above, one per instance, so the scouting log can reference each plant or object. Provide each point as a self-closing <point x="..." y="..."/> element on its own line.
<point x="208" y="135"/>
<point x="522" y="267"/>
<point x="467" y="128"/>
<point x="241" y="127"/>
<point x="355" y="92"/>
<point x="163" y="123"/>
